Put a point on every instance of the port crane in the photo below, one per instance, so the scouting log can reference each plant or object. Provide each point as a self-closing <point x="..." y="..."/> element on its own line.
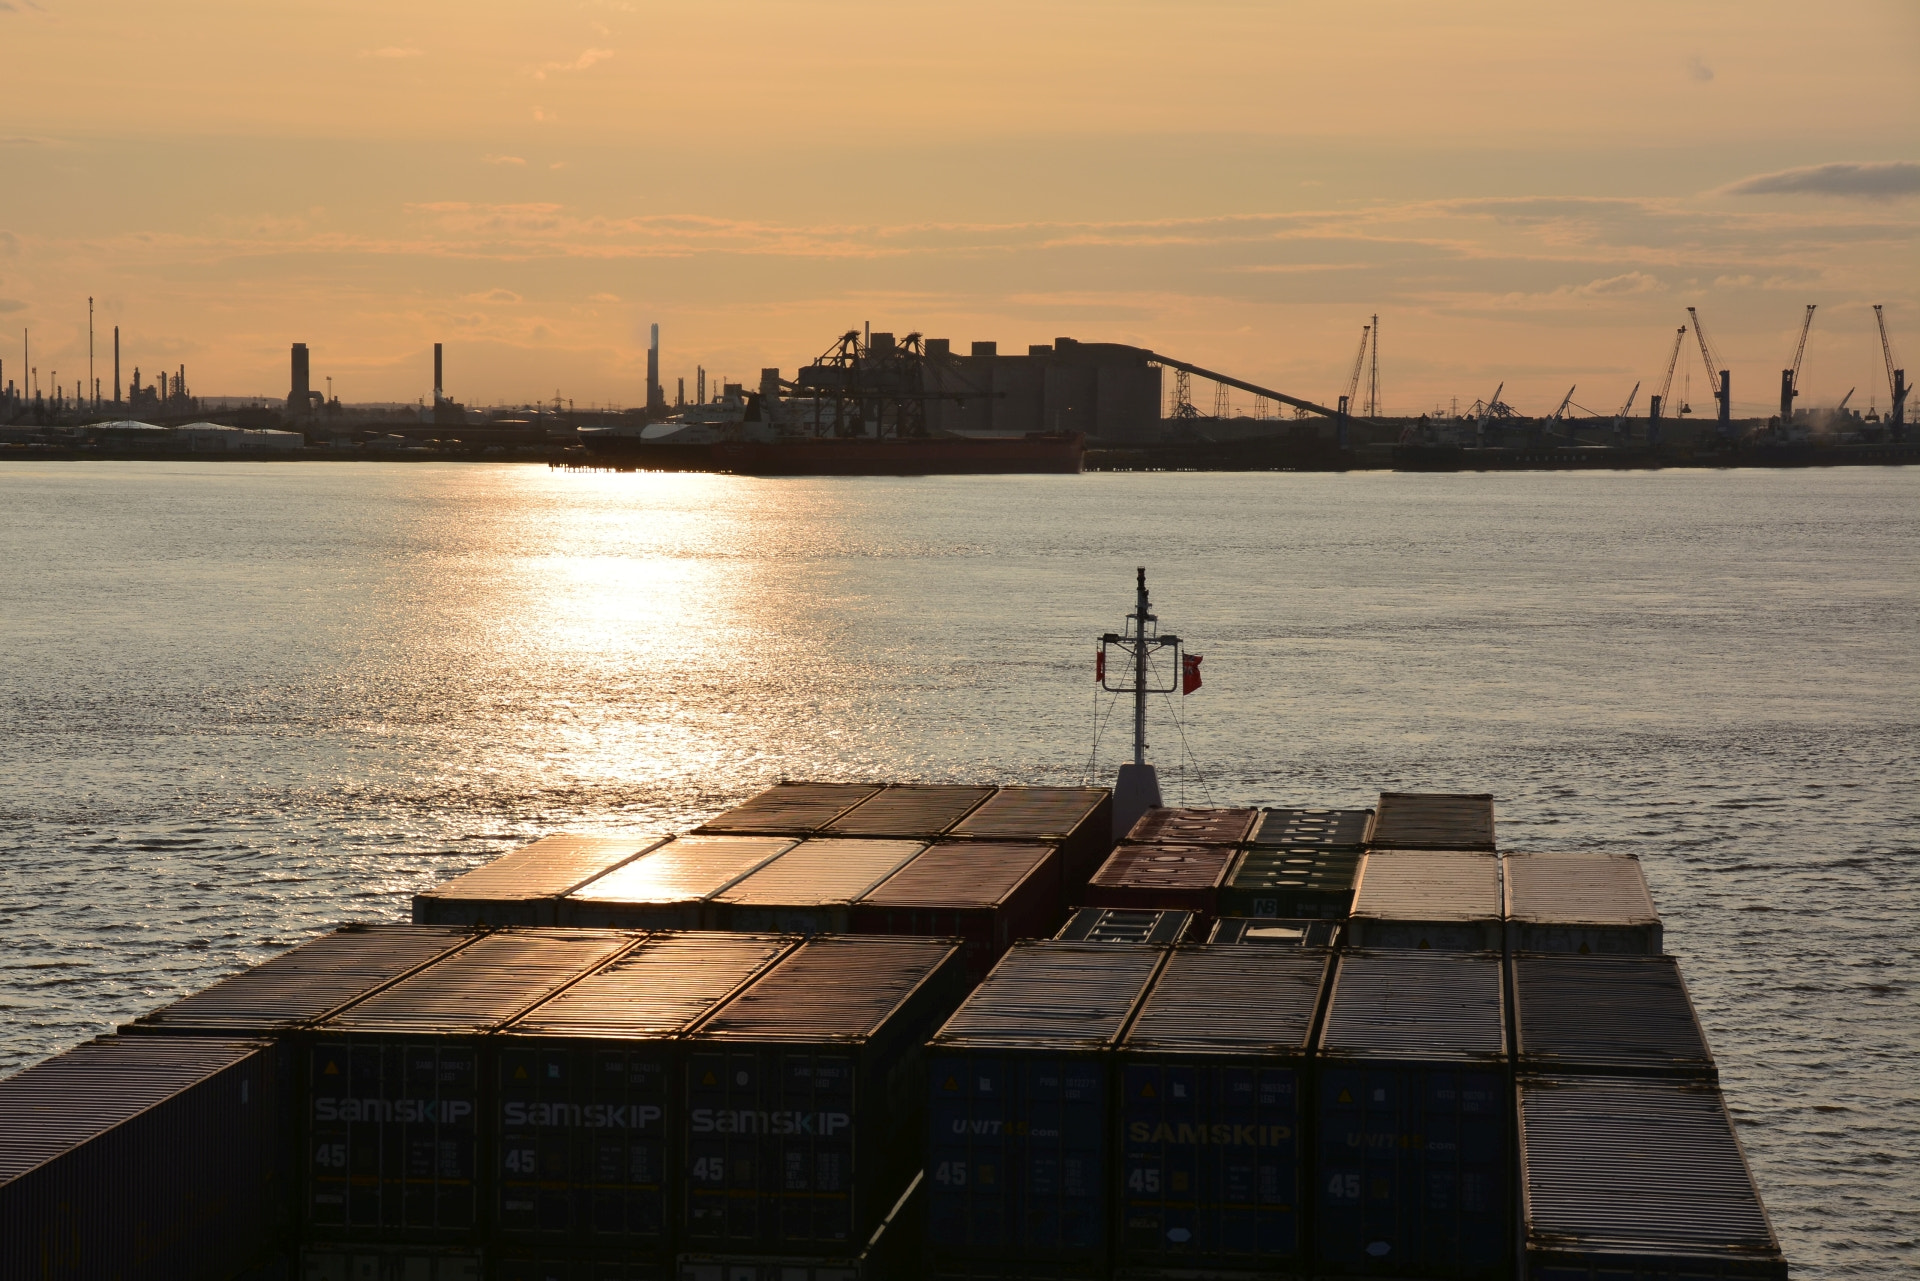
<point x="1896" y="379"/>
<point x="1486" y="414"/>
<point x="1790" y="378"/>
<point x="1620" y="419"/>
<point x="1347" y="402"/>
<point x="1658" y="401"/>
<point x="1721" y="379"/>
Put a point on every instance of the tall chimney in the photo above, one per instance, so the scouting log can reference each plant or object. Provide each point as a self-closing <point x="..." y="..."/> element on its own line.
<point x="437" y="384"/>
<point x="116" y="364"/>
<point x="655" y="400"/>
<point x="297" y="398"/>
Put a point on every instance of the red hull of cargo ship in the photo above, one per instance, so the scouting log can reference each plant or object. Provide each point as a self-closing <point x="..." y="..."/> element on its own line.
<point x="857" y="456"/>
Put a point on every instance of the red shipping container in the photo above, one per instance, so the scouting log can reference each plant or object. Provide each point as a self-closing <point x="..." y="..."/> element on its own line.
<point x="1183" y="877"/>
<point x="987" y="893"/>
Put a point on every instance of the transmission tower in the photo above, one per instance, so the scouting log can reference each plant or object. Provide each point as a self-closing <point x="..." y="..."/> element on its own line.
<point x="1373" y="375"/>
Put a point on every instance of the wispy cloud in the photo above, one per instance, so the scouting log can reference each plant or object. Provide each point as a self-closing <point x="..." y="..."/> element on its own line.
<point x="587" y="58"/>
<point x="1698" y="71"/>
<point x="390" y="51"/>
<point x="1873" y="180"/>
<point x="504" y="160"/>
<point x="10" y="305"/>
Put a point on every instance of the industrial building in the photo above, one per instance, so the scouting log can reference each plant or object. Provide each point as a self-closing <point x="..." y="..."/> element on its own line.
<point x="1109" y="391"/>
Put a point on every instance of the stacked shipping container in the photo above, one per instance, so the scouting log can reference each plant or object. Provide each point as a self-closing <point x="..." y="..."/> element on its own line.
<point x="526" y="886"/>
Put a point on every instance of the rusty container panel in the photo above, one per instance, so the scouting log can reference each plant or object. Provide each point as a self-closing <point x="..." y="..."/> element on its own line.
<point x="1291" y="881"/>
<point x="1433" y="821"/>
<point x="1020" y="1150"/>
<point x="1180" y="877"/>
<point x="526" y="886"/>
<point x="1448" y="900"/>
<point x="1276" y="932"/>
<point x="909" y="809"/>
<point x="804" y="1096"/>
<point x="988" y="893"/>
<point x="1607" y="1014"/>
<point x="794" y="809"/>
<point x="1637" y="1178"/>
<point x="669" y="888"/>
<point x="1192" y="827"/>
<point x="135" y="1156"/>
<point x="585" y="1095"/>
<point x="1210" y="1116"/>
<point x="1079" y="819"/>
<point x="1121" y="925"/>
<point x="1312" y="828"/>
<point x="811" y="888"/>
<point x="305" y="985"/>
<point x="1581" y="903"/>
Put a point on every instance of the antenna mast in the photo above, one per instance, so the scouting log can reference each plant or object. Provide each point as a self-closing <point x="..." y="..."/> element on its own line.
<point x="1138" y="788"/>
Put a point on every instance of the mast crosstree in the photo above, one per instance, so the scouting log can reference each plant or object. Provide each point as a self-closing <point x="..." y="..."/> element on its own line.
<point x="1138" y="787"/>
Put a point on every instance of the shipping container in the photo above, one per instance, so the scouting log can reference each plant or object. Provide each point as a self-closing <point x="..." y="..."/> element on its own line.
<point x="810" y="889"/>
<point x="1019" y="1155"/>
<point x="394" y="1086"/>
<point x="1275" y="932"/>
<point x="1412" y="1098"/>
<point x="1146" y="877"/>
<point x="1637" y="1180"/>
<point x="1312" y="829"/>
<point x="1584" y="903"/>
<point x="1606" y="1014"/>
<point x="789" y="809"/>
<point x="892" y="1253"/>
<point x="1443" y="899"/>
<point x="526" y="886"/>
<point x="985" y="892"/>
<point x="305" y="985"/>
<point x="804" y="1095"/>
<point x="1078" y="819"/>
<point x="1292" y="881"/>
<point x="1118" y="925"/>
<point x="669" y="888"/>
<point x="1433" y="821"/>
<point x="143" y="1156"/>
<point x="510" y="1264"/>
<point x="375" y="1261"/>
<point x="909" y="809"/>
<point x="1212" y="1074"/>
<point x="1192" y="827"/>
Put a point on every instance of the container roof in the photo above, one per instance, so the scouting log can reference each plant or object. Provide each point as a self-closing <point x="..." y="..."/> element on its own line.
<point x="1295" y="868"/>
<point x="1434" y="820"/>
<point x="686" y="869"/>
<point x="485" y="984"/>
<point x="313" y="980"/>
<point x="1333" y="829"/>
<point x="963" y="874"/>
<point x="1125" y="925"/>
<point x="659" y="989"/>
<point x="1637" y="1166"/>
<point x="791" y="807"/>
<point x="821" y="871"/>
<point x="1578" y="889"/>
<point x="840" y="989"/>
<point x="1054" y="996"/>
<point x="1428" y="885"/>
<point x="1032" y="813"/>
<point x="1416" y="1006"/>
<point x="908" y="809"/>
<point x="548" y="868"/>
<point x="1193" y="826"/>
<point x="1621" y="1013"/>
<point x="1232" y="1000"/>
<point x="1165" y="866"/>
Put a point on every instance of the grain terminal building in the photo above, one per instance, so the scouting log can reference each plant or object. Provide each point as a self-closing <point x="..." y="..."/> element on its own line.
<point x="1107" y="390"/>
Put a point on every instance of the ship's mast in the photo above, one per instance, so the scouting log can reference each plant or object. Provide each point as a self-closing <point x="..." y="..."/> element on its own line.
<point x="1138" y="788"/>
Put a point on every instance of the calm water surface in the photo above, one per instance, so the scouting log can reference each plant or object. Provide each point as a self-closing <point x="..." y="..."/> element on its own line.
<point x="242" y="702"/>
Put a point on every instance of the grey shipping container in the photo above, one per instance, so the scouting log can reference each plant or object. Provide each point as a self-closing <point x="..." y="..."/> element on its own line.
<point x="986" y="892"/>
<point x="1433" y="821"/>
<point x="810" y="889"/>
<point x="303" y="986"/>
<point x="1121" y="925"/>
<point x="908" y="809"/>
<point x="1213" y="1072"/>
<point x="1019" y="1153"/>
<point x="1192" y="827"/>
<point x="586" y="1087"/>
<point x="526" y="886"/>
<point x="374" y="1261"/>
<point x="1312" y="829"/>
<point x="1292" y="881"/>
<point x="789" y="809"/>
<point x="1165" y="875"/>
<point x="804" y="1095"/>
<point x="669" y="888"/>
<point x="393" y="1086"/>
<point x="1443" y="899"/>
<point x="892" y="1253"/>
<point x="1637" y="1178"/>
<point x="1606" y="1014"/>
<point x="1276" y="932"/>
<point x="1411" y="1174"/>
<point x="1584" y="903"/>
<point x="142" y="1156"/>
<point x="1078" y="819"/>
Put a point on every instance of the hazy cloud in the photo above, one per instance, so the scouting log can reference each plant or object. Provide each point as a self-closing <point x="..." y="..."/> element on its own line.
<point x="10" y="305"/>
<point x="1876" y="180"/>
<point x="503" y="160"/>
<point x="603" y="297"/>
<point x="494" y="295"/>
<point x="1698" y="70"/>
<point x="391" y="51"/>
<point x="586" y="59"/>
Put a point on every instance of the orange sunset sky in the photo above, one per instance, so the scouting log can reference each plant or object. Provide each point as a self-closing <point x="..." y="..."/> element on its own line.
<point x="1524" y="192"/>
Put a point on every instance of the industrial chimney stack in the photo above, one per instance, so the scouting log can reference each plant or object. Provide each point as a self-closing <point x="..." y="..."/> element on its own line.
<point x="299" y="399"/>
<point x="656" y="399"/>
<point x="438" y="385"/>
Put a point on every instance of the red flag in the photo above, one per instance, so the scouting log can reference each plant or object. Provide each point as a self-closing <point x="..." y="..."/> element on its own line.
<point x="1100" y="665"/>
<point x="1189" y="673"/>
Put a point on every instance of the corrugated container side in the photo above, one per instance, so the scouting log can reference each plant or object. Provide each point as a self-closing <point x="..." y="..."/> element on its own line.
<point x="790" y="809"/>
<point x="1212" y="1072"/>
<point x="510" y="1264"/>
<point x="1291" y="881"/>
<point x="1080" y="819"/>
<point x="1312" y="828"/>
<point x="1581" y="903"/>
<point x="909" y="809"/>
<point x="892" y="1253"/>
<point x="811" y="888"/>
<point x="804" y="1095"/>
<point x="1192" y="827"/>
<point x="386" y="1262"/>
<point x="1120" y="925"/>
<point x="1412" y="1103"/>
<point x="1445" y="900"/>
<point x="143" y="1156"/>
<point x="1019" y="1152"/>
<point x="1433" y="821"/>
<point x="526" y="886"/>
<point x="1162" y="876"/>
<point x="987" y="893"/>
<point x="1637" y="1178"/>
<point x="1607" y="1014"/>
<point x="1276" y="932"/>
<point x="668" y="889"/>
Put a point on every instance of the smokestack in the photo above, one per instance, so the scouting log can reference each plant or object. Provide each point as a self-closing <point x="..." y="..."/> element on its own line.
<point x="297" y="398"/>
<point x="116" y="364"/>
<point x="655" y="400"/>
<point x="437" y="384"/>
